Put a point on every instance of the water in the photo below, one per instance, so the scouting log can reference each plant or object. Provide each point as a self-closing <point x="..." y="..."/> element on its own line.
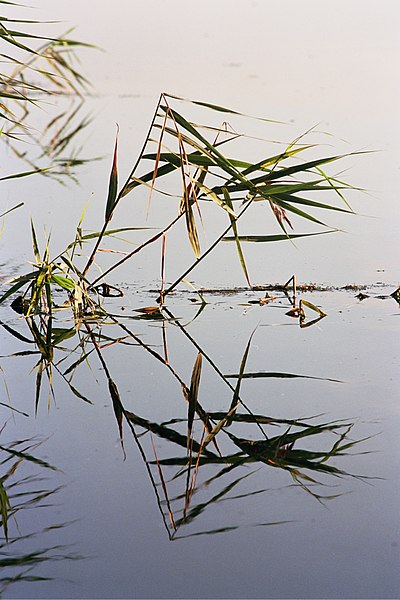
<point x="260" y="523"/>
<point x="281" y="539"/>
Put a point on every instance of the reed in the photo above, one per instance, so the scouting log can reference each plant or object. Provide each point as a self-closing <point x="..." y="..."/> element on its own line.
<point x="286" y="183"/>
<point x="181" y="147"/>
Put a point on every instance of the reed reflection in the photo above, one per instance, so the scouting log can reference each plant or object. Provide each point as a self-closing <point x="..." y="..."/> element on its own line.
<point x="202" y="456"/>
<point x="26" y="551"/>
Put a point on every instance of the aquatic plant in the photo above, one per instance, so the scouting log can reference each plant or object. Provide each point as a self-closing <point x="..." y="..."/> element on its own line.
<point x="284" y="182"/>
<point x="182" y="148"/>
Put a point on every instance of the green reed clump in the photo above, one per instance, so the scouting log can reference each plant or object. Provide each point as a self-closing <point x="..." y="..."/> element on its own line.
<point x="206" y="174"/>
<point x="202" y="172"/>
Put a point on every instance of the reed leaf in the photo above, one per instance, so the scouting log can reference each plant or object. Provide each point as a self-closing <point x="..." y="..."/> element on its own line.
<point x="78" y="394"/>
<point x="23" y="174"/>
<point x="193" y="394"/>
<point x="191" y="223"/>
<point x="135" y="182"/>
<point x="76" y="363"/>
<point x="287" y="197"/>
<point x="312" y="306"/>
<point x="236" y="394"/>
<point x="196" y="159"/>
<point x="274" y="374"/>
<point x="64" y="282"/>
<point x="5" y="507"/>
<point x="18" y="283"/>
<point x="272" y="238"/>
<point x="235" y="232"/>
<point x="35" y="245"/>
<point x="307" y="166"/>
<point x="113" y="183"/>
<point x="221" y="160"/>
<point x="263" y="165"/>
<point x="167" y="433"/>
<point x="297" y="211"/>
<point x="222" y="109"/>
<point x="213" y="196"/>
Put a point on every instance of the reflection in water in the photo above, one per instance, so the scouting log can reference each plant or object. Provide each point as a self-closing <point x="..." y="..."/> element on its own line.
<point x="55" y="150"/>
<point x="22" y="548"/>
<point x="43" y="97"/>
<point x="197" y="460"/>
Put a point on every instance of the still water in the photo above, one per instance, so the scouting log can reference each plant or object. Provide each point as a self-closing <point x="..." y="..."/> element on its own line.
<point x="316" y="518"/>
<point x="217" y="451"/>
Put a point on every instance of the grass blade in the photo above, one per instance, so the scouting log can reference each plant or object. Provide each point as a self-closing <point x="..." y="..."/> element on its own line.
<point x="193" y="394"/>
<point x="222" y="109"/>
<point x="272" y="238"/>
<point x="235" y="231"/>
<point x="18" y="283"/>
<point x="113" y="183"/>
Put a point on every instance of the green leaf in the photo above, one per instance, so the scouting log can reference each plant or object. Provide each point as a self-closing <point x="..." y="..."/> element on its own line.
<point x="113" y="183"/>
<point x="222" y="109"/>
<point x="191" y="223"/>
<point x="235" y="231"/>
<point x="60" y="334"/>
<point x="222" y="161"/>
<point x="24" y="174"/>
<point x="273" y="160"/>
<point x="194" y="158"/>
<point x="18" y="283"/>
<point x="305" y="201"/>
<point x="35" y="244"/>
<point x="163" y="170"/>
<point x="63" y="282"/>
<point x="307" y="166"/>
<point x="272" y="238"/>
<point x="297" y="211"/>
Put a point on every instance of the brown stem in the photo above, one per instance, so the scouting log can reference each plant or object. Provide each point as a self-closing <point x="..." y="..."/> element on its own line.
<point x="121" y="193"/>
<point x="193" y="265"/>
<point x="138" y="249"/>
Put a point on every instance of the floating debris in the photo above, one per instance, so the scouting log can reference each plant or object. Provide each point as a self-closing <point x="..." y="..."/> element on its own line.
<point x="108" y="291"/>
<point x="396" y="295"/>
<point x="362" y="296"/>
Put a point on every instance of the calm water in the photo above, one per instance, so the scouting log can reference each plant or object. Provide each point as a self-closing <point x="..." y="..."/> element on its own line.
<point x="262" y="528"/>
<point x="297" y="496"/>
